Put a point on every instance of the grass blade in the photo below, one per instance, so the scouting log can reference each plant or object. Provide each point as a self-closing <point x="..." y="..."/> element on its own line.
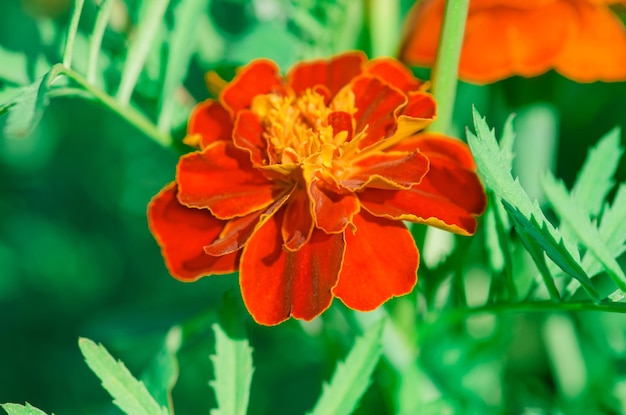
<point x="351" y="377"/>
<point x="233" y="367"/>
<point x="129" y="394"/>
<point x="140" y="46"/>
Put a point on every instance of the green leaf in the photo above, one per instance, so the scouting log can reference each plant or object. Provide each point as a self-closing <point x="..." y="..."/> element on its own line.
<point x="353" y="376"/>
<point x="181" y="45"/>
<point x="494" y="169"/>
<point x="570" y="212"/>
<point x="15" y="66"/>
<point x="25" y="109"/>
<point x="595" y="179"/>
<point x="232" y="363"/>
<point x="17" y="409"/>
<point x="129" y="394"/>
<point x="161" y="376"/>
<point x="140" y="46"/>
<point x="612" y="230"/>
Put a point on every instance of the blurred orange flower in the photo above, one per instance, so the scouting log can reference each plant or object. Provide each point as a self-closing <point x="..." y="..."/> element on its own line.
<point x="581" y="39"/>
<point x="302" y="183"/>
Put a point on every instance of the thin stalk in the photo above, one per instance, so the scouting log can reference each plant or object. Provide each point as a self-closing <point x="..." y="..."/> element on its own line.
<point x="384" y="14"/>
<point x="131" y="115"/>
<point x="102" y="18"/>
<point x="445" y="71"/>
<point x="71" y="33"/>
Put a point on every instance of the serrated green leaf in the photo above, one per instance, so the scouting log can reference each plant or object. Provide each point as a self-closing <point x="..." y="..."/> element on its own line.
<point x="595" y="179"/>
<point x="232" y="363"/>
<point x="17" y="409"/>
<point x="139" y="48"/>
<point x="352" y="377"/>
<point x="180" y="48"/>
<point x="570" y="212"/>
<point x="612" y="230"/>
<point x="129" y="394"/>
<point x="494" y="170"/>
<point x="507" y="141"/>
<point x="162" y="374"/>
<point x="25" y="109"/>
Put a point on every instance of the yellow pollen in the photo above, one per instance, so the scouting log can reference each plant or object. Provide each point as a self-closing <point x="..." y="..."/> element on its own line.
<point x="296" y="128"/>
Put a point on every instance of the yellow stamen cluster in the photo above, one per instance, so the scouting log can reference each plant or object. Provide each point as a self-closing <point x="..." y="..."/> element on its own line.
<point x="297" y="129"/>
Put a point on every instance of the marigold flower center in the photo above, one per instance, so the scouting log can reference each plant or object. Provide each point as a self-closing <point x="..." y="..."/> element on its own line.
<point x="297" y="129"/>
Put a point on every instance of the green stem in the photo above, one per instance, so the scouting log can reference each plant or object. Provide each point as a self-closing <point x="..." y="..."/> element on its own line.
<point x="102" y="18"/>
<point x="131" y="115"/>
<point x="452" y="316"/>
<point x="71" y="33"/>
<point x="384" y="14"/>
<point x="445" y="71"/>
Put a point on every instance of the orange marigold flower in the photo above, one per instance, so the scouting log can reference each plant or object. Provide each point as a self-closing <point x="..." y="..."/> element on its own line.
<point x="302" y="185"/>
<point x="581" y="39"/>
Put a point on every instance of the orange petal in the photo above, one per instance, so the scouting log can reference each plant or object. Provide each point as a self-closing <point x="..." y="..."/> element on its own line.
<point x="298" y="221"/>
<point x="389" y="170"/>
<point x="237" y="231"/>
<point x="341" y="121"/>
<point x="518" y="4"/>
<point x="332" y="211"/>
<point x="248" y="136"/>
<point x="377" y="106"/>
<point x="262" y="76"/>
<point x="276" y="284"/>
<point x="438" y="144"/>
<point x="380" y="262"/>
<point x="211" y="121"/>
<point x="499" y="41"/>
<point x="333" y="74"/>
<point x="181" y="232"/>
<point x="421" y="33"/>
<point x="222" y="179"/>
<point x="394" y="73"/>
<point x="597" y="49"/>
<point x="448" y="197"/>
<point x="420" y="105"/>
<point x="502" y="41"/>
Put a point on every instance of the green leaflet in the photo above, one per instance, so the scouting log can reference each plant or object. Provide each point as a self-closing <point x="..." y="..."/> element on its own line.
<point x="494" y="169"/>
<point x="553" y="247"/>
<point x="595" y="179"/>
<point x="129" y="394"/>
<point x="232" y="363"/>
<point x="162" y="374"/>
<point x="588" y="235"/>
<point x="612" y="230"/>
<point x="352" y="377"/>
<point x="17" y="409"/>
<point x="25" y="109"/>
<point x="180" y="48"/>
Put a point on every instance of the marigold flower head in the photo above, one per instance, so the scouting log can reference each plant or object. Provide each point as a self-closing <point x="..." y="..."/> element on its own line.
<point x="302" y="183"/>
<point x="581" y="39"/>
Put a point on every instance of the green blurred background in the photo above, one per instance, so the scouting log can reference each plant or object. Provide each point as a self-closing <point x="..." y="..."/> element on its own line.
<point x="77" y="259"/>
